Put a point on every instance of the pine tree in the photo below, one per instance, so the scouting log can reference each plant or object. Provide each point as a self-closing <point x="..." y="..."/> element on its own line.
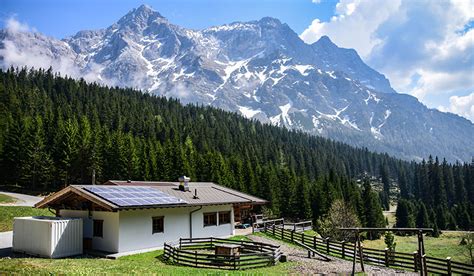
<point x="37" y="165"/>
<point x="373" y="210"/>
<point x="11" y="155"/>
<point x="386" y="186"/>
<point x="403" y="214"/>
<point x="422" y="218"/>
<point x="69" y="150"/>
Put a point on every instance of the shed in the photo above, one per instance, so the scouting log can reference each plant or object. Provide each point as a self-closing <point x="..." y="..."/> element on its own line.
<point x="49" y="237"/>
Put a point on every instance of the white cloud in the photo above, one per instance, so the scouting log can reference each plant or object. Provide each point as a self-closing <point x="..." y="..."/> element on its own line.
<point x="462" y="105"/>
<point x="422" y="46"/>
<point x="316" y="1"/>
<point x="353" y="25"/>
<point x="15" y="26"/>
<point x="23" y="52"/>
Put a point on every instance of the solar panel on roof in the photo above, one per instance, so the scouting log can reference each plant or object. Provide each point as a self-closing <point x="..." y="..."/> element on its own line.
<point x="134" y="196"/>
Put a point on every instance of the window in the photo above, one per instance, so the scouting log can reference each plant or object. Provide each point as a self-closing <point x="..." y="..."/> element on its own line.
<point x="158" y="225"/>
<point x="98" y="228"/>
<point x="210" y="219"/>
<point x="224" y="218"/>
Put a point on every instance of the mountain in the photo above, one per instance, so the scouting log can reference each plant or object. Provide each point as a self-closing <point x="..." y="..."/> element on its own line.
<point x="261" y="69"/>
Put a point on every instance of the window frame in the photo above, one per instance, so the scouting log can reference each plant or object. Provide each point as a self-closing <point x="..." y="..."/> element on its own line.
<point x="162" y="218"/>
<point x="209" y="214"/>
<point x="225" y="213"/>
<point x="95" y="229"/>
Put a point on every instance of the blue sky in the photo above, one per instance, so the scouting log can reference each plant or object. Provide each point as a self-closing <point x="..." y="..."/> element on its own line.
<point x="64" y="18"/>
<point x="424" y="47"/>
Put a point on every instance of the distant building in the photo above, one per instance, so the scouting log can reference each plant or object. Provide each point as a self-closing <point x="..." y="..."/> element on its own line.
<point x="123" y="216"/>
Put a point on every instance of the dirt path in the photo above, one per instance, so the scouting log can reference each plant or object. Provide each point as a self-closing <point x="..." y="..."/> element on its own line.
<point x="23" y="200"/>
<point x="316" y="266"/>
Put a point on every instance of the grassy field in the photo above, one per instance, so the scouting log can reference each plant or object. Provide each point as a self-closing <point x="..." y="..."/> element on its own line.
<point x="146" y="263"/>
<point x="447" y="245"/>
<point x="7" y="213"/>
<point x="7" y="199"/>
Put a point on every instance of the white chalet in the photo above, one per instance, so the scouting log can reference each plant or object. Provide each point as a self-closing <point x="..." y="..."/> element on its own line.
<point x="136" y="216"/>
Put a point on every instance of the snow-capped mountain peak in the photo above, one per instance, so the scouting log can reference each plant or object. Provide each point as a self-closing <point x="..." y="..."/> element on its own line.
<point x="261" y="69"/>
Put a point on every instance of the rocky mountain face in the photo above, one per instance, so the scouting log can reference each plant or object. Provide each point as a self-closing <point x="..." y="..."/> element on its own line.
<point x="261" y="69"/>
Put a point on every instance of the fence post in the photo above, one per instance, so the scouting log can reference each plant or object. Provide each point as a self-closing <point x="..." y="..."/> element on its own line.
<point x="282" y="234"/>
<point x="292" y="233"/>
<point x="315" y="243"/>
<point x="179" y="243"/>
<point x="448" y="261"/>
<point x="327" y="245"/>
<point x="386" y="256"/>
<point x="415" y="260"/>
<point x="343" y="252"/>
<point x="235" y="262"/>
<point x="273" y="229"/>
<point x="195" y="258"/>
<point x="302" y="238"/>
<point x="425" y="269"/>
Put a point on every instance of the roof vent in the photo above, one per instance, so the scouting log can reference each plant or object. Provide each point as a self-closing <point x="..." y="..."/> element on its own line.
<point x="129" y="181"/>
<point x="183" y="183"/>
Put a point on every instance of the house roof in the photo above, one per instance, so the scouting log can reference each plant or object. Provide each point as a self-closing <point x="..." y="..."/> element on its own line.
<point x="133" y="195"/>
<point x="206" y="190"/>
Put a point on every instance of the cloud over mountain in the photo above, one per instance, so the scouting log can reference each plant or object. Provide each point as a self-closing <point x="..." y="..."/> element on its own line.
<point x="424" y="47"/>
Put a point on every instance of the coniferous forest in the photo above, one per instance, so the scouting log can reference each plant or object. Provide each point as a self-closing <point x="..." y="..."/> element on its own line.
<point x="55" y="131"/>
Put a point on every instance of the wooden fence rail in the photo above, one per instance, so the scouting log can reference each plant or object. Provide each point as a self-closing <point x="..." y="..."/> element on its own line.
<point x="411" y="261"/>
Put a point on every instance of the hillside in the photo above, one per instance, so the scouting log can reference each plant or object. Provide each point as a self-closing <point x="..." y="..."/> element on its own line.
<point x="55" y="131"/>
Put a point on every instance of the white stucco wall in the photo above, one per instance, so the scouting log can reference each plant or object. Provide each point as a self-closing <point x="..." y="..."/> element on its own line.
<point x="136" y="226"/>
<point x="131" y="230"/>
<point x="110" y="240"/>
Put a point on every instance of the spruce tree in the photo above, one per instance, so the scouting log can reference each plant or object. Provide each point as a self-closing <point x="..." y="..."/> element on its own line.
<point x="403" y="214"/>
<point x="422" y="218"/>
<point x="373" y="210"/>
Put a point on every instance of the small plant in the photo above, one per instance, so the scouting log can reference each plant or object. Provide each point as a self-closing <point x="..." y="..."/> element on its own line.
<point x="467" y="242"/>
<point x="389" y="239"/>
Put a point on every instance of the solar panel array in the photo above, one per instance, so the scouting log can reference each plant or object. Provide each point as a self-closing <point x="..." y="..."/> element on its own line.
<point x="134" y="196"/>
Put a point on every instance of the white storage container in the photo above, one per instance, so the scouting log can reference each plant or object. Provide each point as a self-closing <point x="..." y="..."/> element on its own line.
<point x="49" y="237"/>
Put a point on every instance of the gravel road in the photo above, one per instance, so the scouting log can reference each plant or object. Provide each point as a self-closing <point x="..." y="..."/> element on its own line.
<point x="23" y="200"/>
<point x="313" y="266"/>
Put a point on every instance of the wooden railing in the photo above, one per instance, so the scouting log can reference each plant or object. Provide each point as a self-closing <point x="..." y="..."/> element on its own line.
<point x="413" y="261"/>
<point x="296" y="226"/>
<point x="257" y="226"/>
<point x="253" y="254"/>
<point x="300" y="226"/>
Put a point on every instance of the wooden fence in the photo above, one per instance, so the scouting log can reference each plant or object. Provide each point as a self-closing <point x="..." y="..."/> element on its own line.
<point x="296" y="226"/>
<point x="345" y="250"/>
<point x="253" y="254"/>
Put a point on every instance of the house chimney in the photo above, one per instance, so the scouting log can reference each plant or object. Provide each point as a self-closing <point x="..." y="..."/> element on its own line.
<point x="183" y="183"/>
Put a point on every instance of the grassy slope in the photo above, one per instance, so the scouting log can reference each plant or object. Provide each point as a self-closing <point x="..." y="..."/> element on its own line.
<point x="146" y="263"/>
<point x="7" y="199"/>
<point x="7" y="213"/>
<point x="447" y="245"/>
